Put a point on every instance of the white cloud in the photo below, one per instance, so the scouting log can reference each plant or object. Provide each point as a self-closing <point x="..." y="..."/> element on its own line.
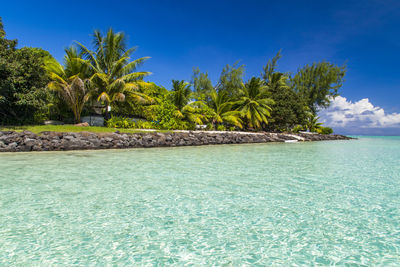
<point x="361" y="114"/>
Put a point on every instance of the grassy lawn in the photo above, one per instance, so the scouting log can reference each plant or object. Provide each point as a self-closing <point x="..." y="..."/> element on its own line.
<point x="69" y="128"/>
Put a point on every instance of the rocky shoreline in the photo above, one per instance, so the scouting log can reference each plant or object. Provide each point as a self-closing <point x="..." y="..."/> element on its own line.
<point x="11" y="141"/>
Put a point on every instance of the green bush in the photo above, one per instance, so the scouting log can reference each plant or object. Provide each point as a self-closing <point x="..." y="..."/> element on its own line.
<point x="297" y="128"/>
<point x="145" y="125"/>
<point x="124" y="122"/>
<point x="324" y="130"/>
<point x="221" y="128"/>
<point x="166" y="117"/>
<point x="210" y="127"/>
<point x="120" y="122"/>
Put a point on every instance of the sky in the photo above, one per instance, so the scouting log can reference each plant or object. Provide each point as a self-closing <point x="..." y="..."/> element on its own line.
<point x="180" y="35"/>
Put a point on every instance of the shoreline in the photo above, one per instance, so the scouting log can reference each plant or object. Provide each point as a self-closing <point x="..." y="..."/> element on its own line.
<point x="26" y="141"/>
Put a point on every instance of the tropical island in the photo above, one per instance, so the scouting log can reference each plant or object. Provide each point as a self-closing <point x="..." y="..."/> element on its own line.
<point x="99" y="94"/>
<point x="112" y="158"/>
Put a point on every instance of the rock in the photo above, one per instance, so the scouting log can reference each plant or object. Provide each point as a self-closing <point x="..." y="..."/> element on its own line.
<point x="12" y="145"/>
<point x="76" y="135"/>
<point x="108" y="139"/>
<point x="181" y="142"/>
<point x="26" y="132"/>
<point x="29" y="142"/>
<point x="86" y="134"/>
<point x="82" y="124"/>
<point x="9" y="138"/>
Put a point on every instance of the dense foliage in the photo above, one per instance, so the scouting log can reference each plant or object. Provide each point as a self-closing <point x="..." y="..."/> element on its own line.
<point x="105" y="79"/>
<point x="318" y="83"/>
<point x="288" y="108"/>
<point x="23" y="97"/>
<point x="114" y="76"/>
<point x="254" y="104"/>
<point x="69" y="80"/>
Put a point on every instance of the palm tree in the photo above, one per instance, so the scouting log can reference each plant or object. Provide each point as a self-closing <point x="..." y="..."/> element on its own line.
<point x="114" y="73"/>
<point x="70" y="80"/>
<point x="222" y="109"/>
<point x="277" y="81"/>
<point x="254" y="103"/>
<point x="181" y="94"/>
<point x="312" y="123"/>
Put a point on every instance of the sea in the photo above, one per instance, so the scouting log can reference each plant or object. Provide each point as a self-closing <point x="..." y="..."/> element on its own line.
<point x="277" y="204"/>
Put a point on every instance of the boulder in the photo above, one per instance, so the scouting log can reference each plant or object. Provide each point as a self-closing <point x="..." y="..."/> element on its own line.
<point x="68" y="137"/>
<point x="82" y="124"/>
<point x="12" y="145"/>
<point x="29" y="142"/>
<point x="108" y="139"/>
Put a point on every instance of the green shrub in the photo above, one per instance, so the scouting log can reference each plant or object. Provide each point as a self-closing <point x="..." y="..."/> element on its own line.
<point x="120" y="122"/>
<point x="210" y="126"/>
<point x="324" y="130"/>
<point x="145" y="125"/>
<point x="297" y="128"/>
<point x="167" y="118"/>
<point x="221" y="128"/>
<point x="40" y="117"/>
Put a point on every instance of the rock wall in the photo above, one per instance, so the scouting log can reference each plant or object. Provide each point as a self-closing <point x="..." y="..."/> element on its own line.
<point x="54" y="141"/>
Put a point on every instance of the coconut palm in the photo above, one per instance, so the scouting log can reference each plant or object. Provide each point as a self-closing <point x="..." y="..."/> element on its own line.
<point x="181" y="94"/>
<point x="70" y="80"/>
<point x="254" y="103"/>
<point x="222" y="109"/>
<point x="114" y="73"/>
<point x="312" y="123"/>
<point x="192" y="113"/>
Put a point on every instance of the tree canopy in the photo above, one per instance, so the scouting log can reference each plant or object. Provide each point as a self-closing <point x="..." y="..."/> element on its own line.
<point x="318" y="83"/>
<point x="114" y="72"/>
<point x="23" y="97"/>
<point x="231" y="79"/>
<point x="70" y="80"/>
<point x="288" y="108"/>
<point x="202" y="84"/>
<point x="2" y="32"/>
<point x="254" y="103"/>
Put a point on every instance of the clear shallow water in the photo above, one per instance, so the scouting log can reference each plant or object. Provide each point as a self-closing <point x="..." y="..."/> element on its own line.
<point x="326" y="203"/>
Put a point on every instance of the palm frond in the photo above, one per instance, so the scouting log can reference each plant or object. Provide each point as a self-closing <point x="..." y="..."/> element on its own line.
<point x="104" y="97"/>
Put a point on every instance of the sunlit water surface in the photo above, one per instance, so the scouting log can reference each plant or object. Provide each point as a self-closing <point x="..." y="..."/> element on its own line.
<point x="334" y="202"/>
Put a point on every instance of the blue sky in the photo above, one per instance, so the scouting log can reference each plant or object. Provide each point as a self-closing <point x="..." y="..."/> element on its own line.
<point x="179" y="35"/>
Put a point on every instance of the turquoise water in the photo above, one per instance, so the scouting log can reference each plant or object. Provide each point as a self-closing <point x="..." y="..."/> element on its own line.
<point x="326" y="203"/>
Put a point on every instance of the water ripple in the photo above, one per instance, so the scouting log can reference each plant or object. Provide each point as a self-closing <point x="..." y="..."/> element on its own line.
<point x="325" y="203"/>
